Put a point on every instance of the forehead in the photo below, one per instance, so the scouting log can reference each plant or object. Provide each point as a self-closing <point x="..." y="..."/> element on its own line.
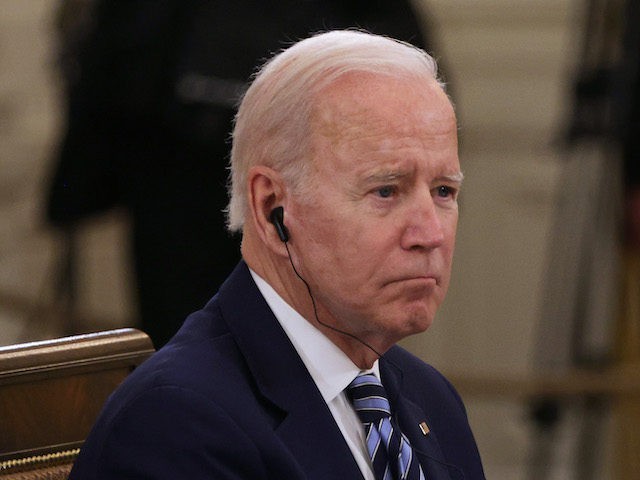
<point x="377" y="114"/>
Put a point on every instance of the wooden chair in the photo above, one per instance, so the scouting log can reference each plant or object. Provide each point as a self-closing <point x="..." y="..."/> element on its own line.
<point x="51" y="393"/>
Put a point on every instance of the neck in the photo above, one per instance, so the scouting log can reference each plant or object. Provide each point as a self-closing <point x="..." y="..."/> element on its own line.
<point x="362" y="355"/>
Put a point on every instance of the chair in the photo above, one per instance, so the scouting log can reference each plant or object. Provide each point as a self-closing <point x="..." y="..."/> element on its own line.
<point x="51" y="393"/>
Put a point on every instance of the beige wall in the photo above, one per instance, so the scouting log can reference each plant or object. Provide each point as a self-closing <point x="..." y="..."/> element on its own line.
<point x="30" y="115"/>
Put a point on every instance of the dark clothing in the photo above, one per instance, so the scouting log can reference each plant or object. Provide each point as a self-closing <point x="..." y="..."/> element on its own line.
<point x="630" y="94"/>
<point x="229" y="398"/>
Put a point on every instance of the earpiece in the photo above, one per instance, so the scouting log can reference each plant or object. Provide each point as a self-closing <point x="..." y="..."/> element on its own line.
<point x="277" y="218"/>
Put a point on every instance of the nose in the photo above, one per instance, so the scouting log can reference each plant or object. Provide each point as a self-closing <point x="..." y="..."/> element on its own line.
<point x="424" y="225"/>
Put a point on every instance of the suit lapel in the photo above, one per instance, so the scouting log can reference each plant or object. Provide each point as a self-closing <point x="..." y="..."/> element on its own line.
<point x="409" y="416"/>
<point x="307" y="427"/>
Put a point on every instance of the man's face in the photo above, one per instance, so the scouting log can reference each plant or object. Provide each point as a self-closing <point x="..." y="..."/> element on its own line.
<point x="375" y="236"/>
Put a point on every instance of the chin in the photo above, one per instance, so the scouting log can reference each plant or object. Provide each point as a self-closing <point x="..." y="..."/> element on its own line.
<point x="408" y="327"/>
<point x="418" y="321"/>
<point x="419" y="327"/>
<point x="405" y="330"/>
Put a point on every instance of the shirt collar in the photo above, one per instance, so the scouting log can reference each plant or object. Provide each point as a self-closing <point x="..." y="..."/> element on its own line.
<point x="331" y="369"/>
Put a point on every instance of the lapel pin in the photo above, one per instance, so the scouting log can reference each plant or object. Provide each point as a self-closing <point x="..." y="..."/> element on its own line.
<point x="424" y="428"/>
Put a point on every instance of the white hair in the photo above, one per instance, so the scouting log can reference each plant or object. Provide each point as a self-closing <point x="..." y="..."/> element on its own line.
<point x="272" y="126"/>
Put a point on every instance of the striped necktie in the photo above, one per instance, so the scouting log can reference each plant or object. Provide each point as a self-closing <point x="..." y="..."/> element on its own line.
<point x="391" y="455"/>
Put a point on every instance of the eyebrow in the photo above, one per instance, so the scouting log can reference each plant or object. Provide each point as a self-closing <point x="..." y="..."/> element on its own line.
<point x="389" y="176"/>
<point x="453" y="178"/>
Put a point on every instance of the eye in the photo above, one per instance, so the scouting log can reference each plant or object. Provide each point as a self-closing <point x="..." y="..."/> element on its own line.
<point x="444" y="191"/>
<point x="386" y="191"/>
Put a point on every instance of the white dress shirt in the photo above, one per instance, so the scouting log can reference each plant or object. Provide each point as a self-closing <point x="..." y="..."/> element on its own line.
<point x="329" y="367"/>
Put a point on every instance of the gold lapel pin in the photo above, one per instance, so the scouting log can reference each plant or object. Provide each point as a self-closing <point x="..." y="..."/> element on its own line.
<point x="424" y="428"/>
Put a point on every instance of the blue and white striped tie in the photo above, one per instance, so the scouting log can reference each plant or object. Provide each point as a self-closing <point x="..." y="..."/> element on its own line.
<point x="391" y="455"/>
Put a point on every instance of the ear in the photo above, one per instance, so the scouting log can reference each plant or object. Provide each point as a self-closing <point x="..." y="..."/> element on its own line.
<point x="266" y="191"/>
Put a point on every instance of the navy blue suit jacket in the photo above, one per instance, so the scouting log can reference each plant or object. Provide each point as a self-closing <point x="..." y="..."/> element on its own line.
<point x="229" y="398"/>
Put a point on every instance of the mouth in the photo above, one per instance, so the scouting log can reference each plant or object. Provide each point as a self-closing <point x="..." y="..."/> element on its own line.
<point x="415" y="281"/>
<point x="414" y="289"/>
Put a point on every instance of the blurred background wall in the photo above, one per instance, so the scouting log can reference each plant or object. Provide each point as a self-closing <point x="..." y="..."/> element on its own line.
<point x="509" y="64"/>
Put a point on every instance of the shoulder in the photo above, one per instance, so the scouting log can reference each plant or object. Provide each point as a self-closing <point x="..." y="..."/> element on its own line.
<point x="201" y="358"/>
<point x="174" y="404"/>
<point x="150" y="434"/>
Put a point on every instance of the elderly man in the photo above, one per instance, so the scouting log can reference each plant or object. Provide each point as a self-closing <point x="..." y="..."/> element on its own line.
<point x="345" y="177"/>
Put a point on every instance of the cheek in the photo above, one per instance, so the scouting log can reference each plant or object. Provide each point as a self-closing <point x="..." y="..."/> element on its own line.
<point x="343" y="256"/>
<point x="319" y="239"/>
<point x="450" y="235"/>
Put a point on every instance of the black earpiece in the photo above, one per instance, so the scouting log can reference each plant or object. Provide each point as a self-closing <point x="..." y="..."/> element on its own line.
<point x="277" y="218"/>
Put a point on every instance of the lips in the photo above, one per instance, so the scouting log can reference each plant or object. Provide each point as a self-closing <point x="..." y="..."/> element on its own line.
<point x="426" y="280"/>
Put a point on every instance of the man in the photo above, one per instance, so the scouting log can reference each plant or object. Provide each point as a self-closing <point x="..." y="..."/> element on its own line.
<point x="345" y="178"/>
